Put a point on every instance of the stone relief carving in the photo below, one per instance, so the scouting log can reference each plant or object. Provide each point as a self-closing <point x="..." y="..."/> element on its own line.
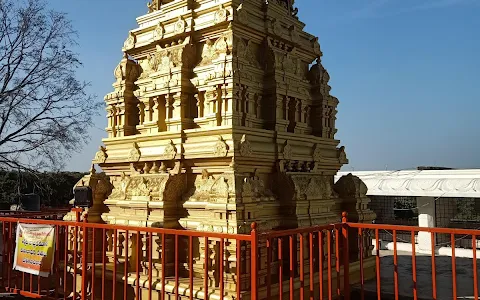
<point x="296" y="166"/>
<point x="246" y="51"/>
<point x="220" y="148"/>
<point x="276" y="27"/>
<point x="170" y="151"/>
<point x="135" y="154"/>
<point x="209" y="188"/>
<point x="139" y="187"/>
<point x="157" y="185"/>
<point x="309" y="188"/>
<point x="101" y="155"/>
<point x="287" y="151"/>
<point x="294" y="36"/>
<point x="221" y="15"/>
<point x="158" y="32"/>
<point x="130" y="42"/>
<point x="208" y="53"/>
<point x="120" y="187"/>
<point x="316" y="47"/>
<point x="242" y="14"/>
<point x="224" y="44"/>
<point x="247" y="189"/>
<point x="317" y="153"/>
<point x="289" y="64"/>
<point x="201" y="191"/>
<point x="313" y="189"/>
<point x="319" y="76"/>
<point x="180" y="25"/>
<point x="153" y="5"/>
<point x="219" y="190"/>
<point x="126" y="70"/>
<point x="351" y="186"/>
<point x="342" y="156"/>
<point x="255" y="187"/>
<point x="245" y="147"/>
<point x="164" y="59"/>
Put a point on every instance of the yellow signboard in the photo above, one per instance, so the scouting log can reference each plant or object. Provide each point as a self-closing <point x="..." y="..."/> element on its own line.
<point x="35" y="249"/>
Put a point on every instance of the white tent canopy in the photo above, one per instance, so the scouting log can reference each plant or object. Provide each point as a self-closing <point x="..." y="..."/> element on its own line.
<point x="421" y="183"/>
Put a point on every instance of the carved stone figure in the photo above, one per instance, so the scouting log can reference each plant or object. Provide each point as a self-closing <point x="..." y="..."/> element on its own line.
<point x="135" y="153"/>
<point x="220" y="148"/>
<point x="101" y="155"/>
<point x="245" y="147"/>
<point x="170" y="151"/>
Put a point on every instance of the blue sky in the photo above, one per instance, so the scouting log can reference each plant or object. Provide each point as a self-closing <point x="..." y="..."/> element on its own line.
<point x="406" y="73"/>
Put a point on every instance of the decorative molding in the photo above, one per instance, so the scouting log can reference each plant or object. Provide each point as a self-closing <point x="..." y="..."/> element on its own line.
<point x="170" y="151"/>
<point x="180" y="26"/>
<point x="276" y="27"/>
<point x="245" y="147"/>
<point x="221" y="148"/>
<point x="120" y="187"/>
<point x="293" y="34"/>
<point x="153" y="6"/>
<point x="424" y="183"/>
<point x="130" y="42"/>
<point x="101" y="156"/>
<point x="221" y="15"/>
<point x="317" y="153"/>
<point x="126" y="70"/>
<point x="342" y="155"/>
<point x="287" y="151"/>
<point x="158" y="32"/>
<point x="135" y="154"/>
<point x="242" y="14"/>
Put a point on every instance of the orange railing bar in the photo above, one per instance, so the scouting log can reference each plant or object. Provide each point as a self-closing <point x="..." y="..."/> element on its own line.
<point x="193" y="233"/>
<point x="454" y="231"/>
<point x="284" y="273"/>
<point x="475" y="275"/>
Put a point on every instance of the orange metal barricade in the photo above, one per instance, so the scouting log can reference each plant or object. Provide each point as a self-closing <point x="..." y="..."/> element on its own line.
<point x="121" y="260"/>
<point x="101" y="261"/>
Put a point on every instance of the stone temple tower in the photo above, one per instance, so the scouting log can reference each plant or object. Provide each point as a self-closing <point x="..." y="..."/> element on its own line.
<point x="221" y="116"/>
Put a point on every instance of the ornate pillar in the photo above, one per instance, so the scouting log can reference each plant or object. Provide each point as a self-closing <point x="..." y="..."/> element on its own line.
<point x="352" y="192"/>
<point x="126" y="111"/>
<point x="281" y="122"/>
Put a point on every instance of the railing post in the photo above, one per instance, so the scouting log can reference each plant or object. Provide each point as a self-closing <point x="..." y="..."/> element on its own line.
<point x="78" y="212"/>
<point x="254" y="262"/>
<point x="346" y="257"/>
<point x="84" y="256"/>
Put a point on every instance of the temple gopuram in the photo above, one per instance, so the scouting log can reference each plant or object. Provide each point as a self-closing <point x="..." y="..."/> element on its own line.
<point x="221" y="115"/>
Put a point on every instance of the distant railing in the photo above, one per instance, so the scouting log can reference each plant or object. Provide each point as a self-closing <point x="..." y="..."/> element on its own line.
<point x="420" y="262"/>
<point x="44" y="214"/>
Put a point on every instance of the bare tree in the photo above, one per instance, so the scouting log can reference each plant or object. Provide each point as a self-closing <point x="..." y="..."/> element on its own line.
<point x="45" y="111"/>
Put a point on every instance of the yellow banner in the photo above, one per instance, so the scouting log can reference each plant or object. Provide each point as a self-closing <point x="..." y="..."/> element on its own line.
<point x="35" y="249"/>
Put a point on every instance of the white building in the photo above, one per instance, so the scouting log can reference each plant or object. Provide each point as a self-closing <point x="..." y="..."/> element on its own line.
<point x="441" y="198"/>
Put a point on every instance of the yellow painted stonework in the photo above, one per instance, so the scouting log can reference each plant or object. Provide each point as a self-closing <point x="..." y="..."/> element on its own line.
<point x="221" y="116"/>
<point x="221" y="107"/>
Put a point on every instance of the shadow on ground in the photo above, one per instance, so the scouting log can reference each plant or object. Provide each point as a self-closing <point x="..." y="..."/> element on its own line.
<point x="423" y="284"/>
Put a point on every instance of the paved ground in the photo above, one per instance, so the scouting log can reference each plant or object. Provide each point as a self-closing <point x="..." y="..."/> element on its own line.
<point x="443" y="265"/>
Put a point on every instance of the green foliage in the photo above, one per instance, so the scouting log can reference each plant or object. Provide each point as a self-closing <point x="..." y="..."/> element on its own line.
<point x="405" y="208"/>
<point x="54" y="189"/>
<point x="467" y="209"/>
